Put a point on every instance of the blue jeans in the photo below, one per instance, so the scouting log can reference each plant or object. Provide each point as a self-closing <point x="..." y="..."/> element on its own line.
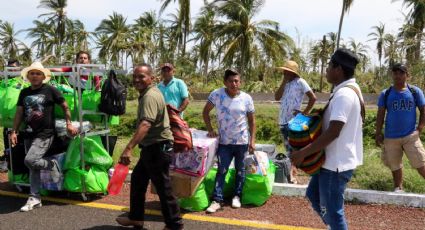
<point x="326" y="194"/>
<point x="36" y="148"/>
<point x="225" y="154"/>
<point x="284" y="131"/>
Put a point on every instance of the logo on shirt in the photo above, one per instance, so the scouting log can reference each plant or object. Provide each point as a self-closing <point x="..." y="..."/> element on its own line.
<point x="34" y="109"/>
<point x="402" y="105"/>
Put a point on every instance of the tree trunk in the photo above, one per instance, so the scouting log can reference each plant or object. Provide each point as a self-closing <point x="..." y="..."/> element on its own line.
<point x="321" y="76"/>
<point x="205" y="72"/>
<point x="418" y="47"/>
<point x="341" y="19"/>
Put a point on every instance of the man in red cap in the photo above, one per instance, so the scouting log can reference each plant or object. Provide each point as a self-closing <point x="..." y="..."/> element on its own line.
<point x="174" y="90"/>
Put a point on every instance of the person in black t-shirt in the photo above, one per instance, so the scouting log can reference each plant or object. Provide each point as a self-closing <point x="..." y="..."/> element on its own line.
<point x="36" y="108"/>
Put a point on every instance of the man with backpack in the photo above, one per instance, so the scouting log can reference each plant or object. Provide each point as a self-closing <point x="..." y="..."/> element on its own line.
<point x="397" y="106"/>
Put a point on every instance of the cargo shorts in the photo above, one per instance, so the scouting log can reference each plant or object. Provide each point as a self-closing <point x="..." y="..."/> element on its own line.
<point x="392" y="153"/>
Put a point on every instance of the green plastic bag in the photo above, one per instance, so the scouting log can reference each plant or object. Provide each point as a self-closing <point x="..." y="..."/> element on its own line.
<point x="198" y="202"/>
<point x="61" y="83"/>
<point x="94" y="154"/>
<point x="9" y="101"/>
<point x="96" y="180"/>
<point x="2" y="95"/>
<point x="91" y="101"/>
<point x="114" y="120"/>
<point x="18" y="178"/>
<point x="229" y="183"/>
<point x="69" y="98"/>
<point x="258" y="189"/>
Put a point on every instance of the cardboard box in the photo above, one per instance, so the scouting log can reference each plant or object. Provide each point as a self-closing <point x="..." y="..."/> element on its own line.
<point x="183" y="185"/>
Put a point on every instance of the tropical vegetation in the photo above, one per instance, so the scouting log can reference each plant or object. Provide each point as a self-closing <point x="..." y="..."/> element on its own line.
<point x="223" y="34"/>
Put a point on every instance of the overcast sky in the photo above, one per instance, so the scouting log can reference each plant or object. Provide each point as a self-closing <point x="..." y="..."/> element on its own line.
<point x="304" y="20"/>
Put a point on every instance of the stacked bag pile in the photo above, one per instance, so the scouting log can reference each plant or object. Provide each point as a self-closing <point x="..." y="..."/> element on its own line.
<point x="97" y="164"/>
<point x="260" y="173"/>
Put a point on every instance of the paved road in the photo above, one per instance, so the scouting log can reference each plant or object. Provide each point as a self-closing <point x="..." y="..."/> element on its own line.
<point x="67" y="216"/>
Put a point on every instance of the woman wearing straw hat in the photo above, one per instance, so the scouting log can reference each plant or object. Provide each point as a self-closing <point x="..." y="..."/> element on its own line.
<point x="290" y="95"/>
<point x="36" y="108"/>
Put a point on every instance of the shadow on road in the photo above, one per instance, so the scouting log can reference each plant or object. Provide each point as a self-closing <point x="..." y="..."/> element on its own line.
<point x="107" y="227"/>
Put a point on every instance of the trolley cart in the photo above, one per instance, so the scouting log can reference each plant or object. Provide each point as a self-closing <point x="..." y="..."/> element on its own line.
<point x="81" y="70"/>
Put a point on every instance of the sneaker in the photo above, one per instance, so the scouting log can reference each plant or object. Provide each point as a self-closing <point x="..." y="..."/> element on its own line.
<point x="55" y="172"/>
<point x="236" y="202"/>
<point x="213" y="207"/>
<point x="398" y="190"/>
<point x="125" y="221"/>
<point x="32" y="203"/>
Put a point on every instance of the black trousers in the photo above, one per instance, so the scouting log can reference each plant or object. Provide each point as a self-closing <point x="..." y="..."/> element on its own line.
<point x="154" y="164"/>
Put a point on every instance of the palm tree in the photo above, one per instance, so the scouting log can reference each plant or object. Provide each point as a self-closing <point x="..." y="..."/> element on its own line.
<point x="183" y="21"/>
<point x="321" y="51"/>
<point x="172" y="35"/>
<point x="45" y="39"/>
<point x="8" y="39"/>
<point x="117" y="31"/>
<point x="80" y="35"/>
<point x="77" y="39"/>
<point x="314" y="55"/>
<point x="57" y="18"/>
<point x="332" y="40"/>
<point x="379" y="36"/>
<point x="26" y="55"/>
<point x="407" y="39"/>
<point x="416" y="18"/>
<point x="346" y="5"/>
<point x="392" y="49"/>
<point x="102" y="44"/>
<point x="146" y="27"/>
<point x="361" y="51"/>
<point x="204" y="37"/>
<point x="242" y="35"/>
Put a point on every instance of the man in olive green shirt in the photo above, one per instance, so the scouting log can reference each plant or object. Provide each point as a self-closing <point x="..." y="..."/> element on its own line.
<point x="155" y="138"/>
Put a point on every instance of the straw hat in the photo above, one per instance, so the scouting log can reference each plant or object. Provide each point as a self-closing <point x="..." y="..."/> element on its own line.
<point x="36" y="66"/>
<point x="290" y="66"/>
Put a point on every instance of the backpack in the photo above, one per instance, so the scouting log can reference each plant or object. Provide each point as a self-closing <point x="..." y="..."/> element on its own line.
<point x="412" y="91"/>
<point x="113" y="96"/>
<point x="180" y="129"/>
<point x="283" y="168"/>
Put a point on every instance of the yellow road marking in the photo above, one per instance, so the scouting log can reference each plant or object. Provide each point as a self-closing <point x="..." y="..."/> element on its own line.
<point x="220" y="220"/>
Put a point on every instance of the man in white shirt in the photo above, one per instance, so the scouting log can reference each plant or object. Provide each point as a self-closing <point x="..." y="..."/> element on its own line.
<point x="341" y="139"/>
